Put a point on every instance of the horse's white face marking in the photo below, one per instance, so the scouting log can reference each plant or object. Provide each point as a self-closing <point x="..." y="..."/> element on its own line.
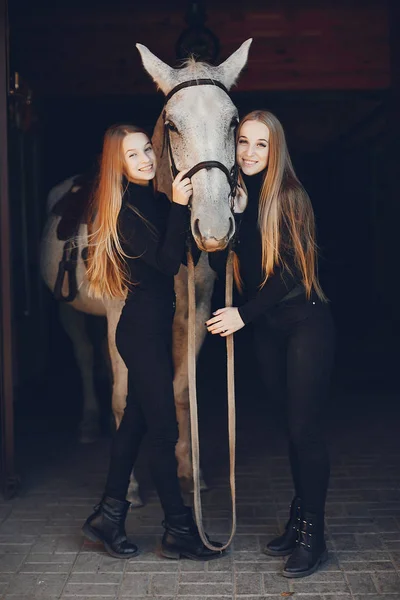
<point x="202" y="123"/>
<point x="205" y="131"/>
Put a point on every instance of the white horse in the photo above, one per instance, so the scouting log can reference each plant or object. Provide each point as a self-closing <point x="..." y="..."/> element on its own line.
<point x="199" y="123"/>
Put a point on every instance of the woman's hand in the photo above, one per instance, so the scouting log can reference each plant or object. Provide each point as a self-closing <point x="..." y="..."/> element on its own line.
<point x="225" y="321"/>
<point x="182" y="189"/>
<point x="240" y="200"/>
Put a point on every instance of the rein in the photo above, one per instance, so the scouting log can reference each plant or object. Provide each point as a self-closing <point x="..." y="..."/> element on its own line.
<point x="194" y="426"/>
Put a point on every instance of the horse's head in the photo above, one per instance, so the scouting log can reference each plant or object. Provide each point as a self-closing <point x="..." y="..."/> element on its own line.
<point x="198" y="125"/>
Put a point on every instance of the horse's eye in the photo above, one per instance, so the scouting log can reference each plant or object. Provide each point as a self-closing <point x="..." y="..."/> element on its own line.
<point x="171" y="126"/>
<point x="234" y="122"/>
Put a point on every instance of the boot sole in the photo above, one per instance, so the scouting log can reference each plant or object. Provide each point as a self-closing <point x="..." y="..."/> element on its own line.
<point x="269" y="552"/>
<point x="322" y="559"/>
<point x="91" y="535"/>
<point x="177" y="554"/>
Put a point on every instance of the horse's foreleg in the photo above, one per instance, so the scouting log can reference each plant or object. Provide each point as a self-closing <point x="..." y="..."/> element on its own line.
<point x="119" y="370"/>
<point x="119" y="391"/>
<point x="204" y="287"/>
<point x="181" y="392"/>
<point x="73" y="323"/>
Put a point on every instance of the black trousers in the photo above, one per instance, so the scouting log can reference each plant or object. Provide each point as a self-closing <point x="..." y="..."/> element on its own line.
<point x="145" y="344"/>
<point x="295" y="348"/>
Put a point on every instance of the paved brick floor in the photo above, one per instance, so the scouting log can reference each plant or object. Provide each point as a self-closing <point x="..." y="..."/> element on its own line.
<point x="43" y="555"/>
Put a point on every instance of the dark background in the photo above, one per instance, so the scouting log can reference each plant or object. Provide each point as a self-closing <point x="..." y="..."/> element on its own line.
<point x="328" y="70"/>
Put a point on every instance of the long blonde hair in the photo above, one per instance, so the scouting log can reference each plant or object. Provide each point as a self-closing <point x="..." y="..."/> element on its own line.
<point x="284" y="203"/>
<point x="107" y="270"/>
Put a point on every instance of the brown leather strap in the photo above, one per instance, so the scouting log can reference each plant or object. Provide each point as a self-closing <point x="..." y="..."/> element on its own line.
<point x="193" y="403"/>
<point x="194" y="83"/>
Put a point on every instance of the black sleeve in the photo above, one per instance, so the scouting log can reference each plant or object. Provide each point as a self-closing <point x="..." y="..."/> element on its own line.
<point x="195" y="251"/>
<point x="139" y="241"/>
<point x="276" y="287"/>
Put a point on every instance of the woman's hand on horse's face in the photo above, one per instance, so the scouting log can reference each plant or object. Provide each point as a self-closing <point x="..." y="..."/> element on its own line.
<point x="225" y="321"/>
<point x="240" y="200"/>
<point x="182" y="189"/>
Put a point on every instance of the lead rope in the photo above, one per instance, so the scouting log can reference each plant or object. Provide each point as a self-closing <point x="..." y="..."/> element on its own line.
<point x="193" y="403"/>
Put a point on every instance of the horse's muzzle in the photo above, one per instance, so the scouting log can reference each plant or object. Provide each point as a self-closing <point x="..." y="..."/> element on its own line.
<point x="210" y="243"/>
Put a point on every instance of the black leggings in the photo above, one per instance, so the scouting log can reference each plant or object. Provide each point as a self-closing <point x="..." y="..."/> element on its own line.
<point x="150" y="408"/>
<point x="295" y="347"/>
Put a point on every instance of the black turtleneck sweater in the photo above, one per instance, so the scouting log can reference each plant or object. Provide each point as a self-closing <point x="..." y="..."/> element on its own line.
<point x="155" y="246"/>
<point x="249" y="251"/>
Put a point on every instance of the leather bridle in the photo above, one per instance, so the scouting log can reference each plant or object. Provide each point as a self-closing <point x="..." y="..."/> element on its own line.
<point x="232" y="174"/>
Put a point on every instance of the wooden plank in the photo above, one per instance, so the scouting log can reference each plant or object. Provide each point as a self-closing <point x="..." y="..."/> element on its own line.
<point x="298" y="48"/>
<point x="6" y="338"/>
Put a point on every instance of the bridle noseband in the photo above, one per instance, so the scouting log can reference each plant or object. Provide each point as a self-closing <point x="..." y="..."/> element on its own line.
<point x="232" y="175"/>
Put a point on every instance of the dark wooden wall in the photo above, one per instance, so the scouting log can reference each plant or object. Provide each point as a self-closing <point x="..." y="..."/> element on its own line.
<point x="71" y="48"/>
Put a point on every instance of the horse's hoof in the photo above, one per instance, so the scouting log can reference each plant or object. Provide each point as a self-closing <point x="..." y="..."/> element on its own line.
<point x="187" y="486"/>
<point x="89" y="429"/>
<point x="134" y="499"/>
<point x="203" y="486"/>
<point x="88" y="438"/>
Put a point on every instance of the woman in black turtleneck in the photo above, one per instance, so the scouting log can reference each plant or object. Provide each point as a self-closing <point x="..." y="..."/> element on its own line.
<point x="136" y="248"/>
<point x="276" y="272"/>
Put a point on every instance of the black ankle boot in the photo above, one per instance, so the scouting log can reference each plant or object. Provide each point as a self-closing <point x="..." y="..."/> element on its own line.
<point x="286" y="543"/>
<point x="107" y="525"/>
<point x="182" y="539"/>
<point x="310" y="551"/>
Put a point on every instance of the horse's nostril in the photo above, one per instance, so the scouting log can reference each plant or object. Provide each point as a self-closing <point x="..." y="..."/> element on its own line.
<point x="196" y="229"/>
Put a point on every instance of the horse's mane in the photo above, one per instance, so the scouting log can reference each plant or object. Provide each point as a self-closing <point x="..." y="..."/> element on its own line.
<point x="197" y="69"/>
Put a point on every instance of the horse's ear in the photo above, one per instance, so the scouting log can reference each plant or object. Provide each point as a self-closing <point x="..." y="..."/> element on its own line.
<point x="229" y="71"/>
<point x="162" y="73"/>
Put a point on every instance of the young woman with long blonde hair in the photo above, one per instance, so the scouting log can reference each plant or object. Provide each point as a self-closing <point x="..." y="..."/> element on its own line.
<point x="136" y="246"/>
<point x="276" y="271"/>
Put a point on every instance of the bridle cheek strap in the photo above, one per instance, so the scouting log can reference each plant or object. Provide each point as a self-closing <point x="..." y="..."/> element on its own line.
<point x="232" y="175"/>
